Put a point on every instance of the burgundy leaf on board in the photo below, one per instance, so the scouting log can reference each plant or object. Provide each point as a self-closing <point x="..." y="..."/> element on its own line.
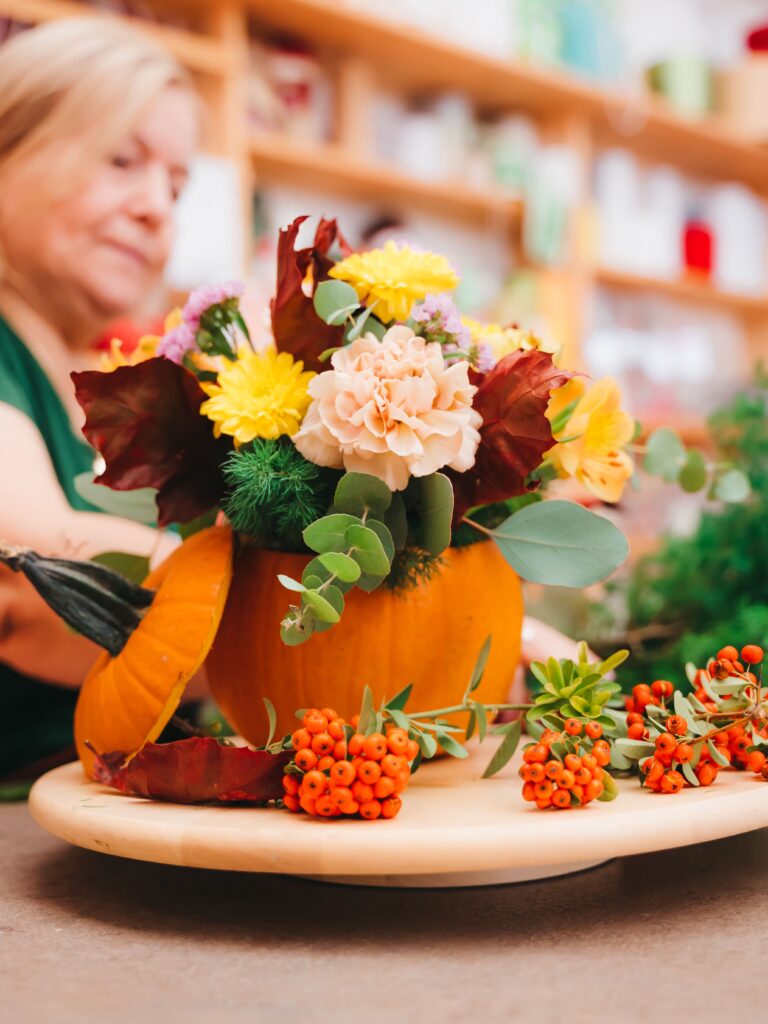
<point x="295" y="325"/>
<point x="512" y="398"/>
<point x="145" y="421"/>
<point x="194" y="771"/>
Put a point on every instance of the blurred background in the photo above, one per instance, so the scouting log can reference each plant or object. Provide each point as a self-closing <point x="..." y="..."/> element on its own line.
<point x="596" y="170"/>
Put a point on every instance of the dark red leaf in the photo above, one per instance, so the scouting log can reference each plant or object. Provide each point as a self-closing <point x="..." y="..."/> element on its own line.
<point x="145" y="421"/>
<point x="512" y="398"/>
<point x="295" y="325"/>
<point x="195" y="771"/>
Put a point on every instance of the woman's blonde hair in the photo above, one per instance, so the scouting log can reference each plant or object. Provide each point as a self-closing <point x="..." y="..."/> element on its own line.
<point x="78" y="82"/>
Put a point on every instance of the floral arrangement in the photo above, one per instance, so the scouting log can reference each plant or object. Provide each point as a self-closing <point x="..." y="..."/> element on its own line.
<point x="381" y="427"/>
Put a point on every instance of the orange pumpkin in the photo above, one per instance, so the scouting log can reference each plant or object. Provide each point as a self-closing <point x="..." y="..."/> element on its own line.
<point x="126" y="701"/>
<point x="429" y="636"/>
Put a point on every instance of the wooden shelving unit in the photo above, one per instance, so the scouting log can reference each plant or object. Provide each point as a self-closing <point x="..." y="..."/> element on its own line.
<point x="363" y="51"/>
<point x="331" y="167"/>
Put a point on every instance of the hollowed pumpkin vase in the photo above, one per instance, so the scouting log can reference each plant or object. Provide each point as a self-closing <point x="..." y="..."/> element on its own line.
<point x="429" y="636"/>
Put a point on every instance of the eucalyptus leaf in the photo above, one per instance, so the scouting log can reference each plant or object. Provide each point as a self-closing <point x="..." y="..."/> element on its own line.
<point x="396" y="521"/>
<point x="334" y="301"/>
<point x="320" y="605"/>
<point x="561" y="543"/>
<point x="329" y="533"/>
<point x="382" y="532"/>
<point x="435" y="498"/>
<point x="665" y="454"/>
<point x="357" y="493"/>
<point x="366" y="548"/>
<point x="359" y="325"/>
<point x="340" y="565"/>
<point x="693" y="475"/>
<point x="732" y="486"/>
<point x="290" y="584"/>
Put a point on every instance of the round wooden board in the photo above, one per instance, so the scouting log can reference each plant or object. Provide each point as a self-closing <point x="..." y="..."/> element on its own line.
<point x="455" y="828"/>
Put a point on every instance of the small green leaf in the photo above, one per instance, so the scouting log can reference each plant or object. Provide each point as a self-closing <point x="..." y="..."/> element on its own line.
<point x="451" y="746"/>
<point x="665" y="454"/>
<point x="322" y="607"/>
<point x="610" y="789"/>
<point x="634" y="749"/>
<point x="133" y="567"/>
<point x="360" y="324"/>
<point x="716" y="756"/>
<point x="290" y="584"/>
<point x="506" y="750"/>
<point x="561" y="543"/>
<point x="357" y="493"/>
<point x="689" y="773"/>
<point x="427" y="744"/>
<point x="368" y="582"/>
<point x="366" y="549"/>
<point x="400" y="718"/>
<point x="435" y="499"/>
<point x="367" y="711"/>
<point x="400" y="699"/>
<point x="482" y="720"/>
<point x="334" y="301"/>
<point x="342" y="566"/>
<point x="613" y="662"/>
<point x="329" y="533"/>
<point x="693" y="475"/>
<point x="482" y="660"/>
<point x="272" y="717"/>
<point x="382" y="532"/>
<point x="292" y="634"/>
<point x="471" y="724"/>
<point x="732" y="486"/>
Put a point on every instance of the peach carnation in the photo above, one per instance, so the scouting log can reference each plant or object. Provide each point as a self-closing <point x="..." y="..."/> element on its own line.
<point x="392" y="408"/>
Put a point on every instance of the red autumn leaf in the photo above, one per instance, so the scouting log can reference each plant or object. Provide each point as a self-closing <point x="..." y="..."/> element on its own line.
<point x="512" y="398"/>
<point x="295" y="325"/>
<point x="195" y="771"/>
<point x="145" y="421"/>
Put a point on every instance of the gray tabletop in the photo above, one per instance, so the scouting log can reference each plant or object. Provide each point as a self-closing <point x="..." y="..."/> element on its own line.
<point x="92" y="939"/>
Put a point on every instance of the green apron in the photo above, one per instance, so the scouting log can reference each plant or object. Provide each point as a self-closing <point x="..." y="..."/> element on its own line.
<point x="35" y="717"/>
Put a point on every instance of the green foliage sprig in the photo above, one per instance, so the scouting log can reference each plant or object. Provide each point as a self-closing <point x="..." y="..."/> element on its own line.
<point x="274" y="493"/>
<point x="575" y="689"/>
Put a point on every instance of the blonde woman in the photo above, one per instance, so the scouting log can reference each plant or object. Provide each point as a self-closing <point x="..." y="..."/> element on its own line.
<point x="97" y="128"/>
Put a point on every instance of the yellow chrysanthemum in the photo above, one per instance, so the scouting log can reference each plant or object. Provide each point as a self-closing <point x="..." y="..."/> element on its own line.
<point x="395" y="277"/>
<point x="146" y="347"/>
<point x="504" y="340"/>
<point x="260" y="394"/>
<point x="593" y="438"/>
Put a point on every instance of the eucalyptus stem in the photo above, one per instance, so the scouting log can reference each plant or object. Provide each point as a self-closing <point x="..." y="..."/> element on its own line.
<point x="478" y="526"/>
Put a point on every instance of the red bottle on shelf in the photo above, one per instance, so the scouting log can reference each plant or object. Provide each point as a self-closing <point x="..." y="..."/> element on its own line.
<point x="698" y="247"/>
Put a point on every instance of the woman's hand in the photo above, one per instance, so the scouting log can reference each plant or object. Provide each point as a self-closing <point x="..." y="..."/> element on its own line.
<point x="34" y="513"/>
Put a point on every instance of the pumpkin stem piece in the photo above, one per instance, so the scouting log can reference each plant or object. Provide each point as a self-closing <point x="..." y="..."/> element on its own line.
<point x="95" y="601"/>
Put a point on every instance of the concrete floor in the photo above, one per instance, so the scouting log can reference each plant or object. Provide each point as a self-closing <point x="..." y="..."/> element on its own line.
<point x="91" y="939"/>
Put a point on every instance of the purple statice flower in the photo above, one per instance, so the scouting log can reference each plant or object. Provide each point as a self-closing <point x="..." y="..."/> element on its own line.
<point x="441" y="321"/>
<point x="207" y="295"/>
<point x="176" y="343"/>
<point x="481" y="357"/>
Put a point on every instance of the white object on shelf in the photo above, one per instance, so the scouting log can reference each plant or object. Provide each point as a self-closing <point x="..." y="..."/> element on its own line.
<point x="209" y="231"/>
<point x="738" y="221"/>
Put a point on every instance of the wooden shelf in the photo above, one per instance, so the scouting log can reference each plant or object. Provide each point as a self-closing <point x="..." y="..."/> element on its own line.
<point x="422" y="61"/>
<point x="196" y="51"/>
<point x="330" y="167"/>
<point x="687" y="289"/>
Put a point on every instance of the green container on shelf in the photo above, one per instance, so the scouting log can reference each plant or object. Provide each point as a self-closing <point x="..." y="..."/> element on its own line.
<point x="687" y="83"/>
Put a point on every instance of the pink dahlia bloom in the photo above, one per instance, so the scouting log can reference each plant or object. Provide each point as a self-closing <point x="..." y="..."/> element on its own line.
<point x="392" y="408"/>
<point x="208" y="295"/>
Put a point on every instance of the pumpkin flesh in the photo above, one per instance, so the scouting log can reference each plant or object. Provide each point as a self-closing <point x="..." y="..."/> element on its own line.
<point x="128" y="700"/>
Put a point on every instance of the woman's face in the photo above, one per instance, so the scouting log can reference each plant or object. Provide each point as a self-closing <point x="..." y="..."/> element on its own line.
<point x="105" y="245"/>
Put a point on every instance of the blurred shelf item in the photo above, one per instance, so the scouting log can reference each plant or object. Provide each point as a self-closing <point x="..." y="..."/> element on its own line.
<point x="332" y="167"/>
<point x="646" y="124"/>
<point x="687" y="289"/>
<point x="197" y="51"/>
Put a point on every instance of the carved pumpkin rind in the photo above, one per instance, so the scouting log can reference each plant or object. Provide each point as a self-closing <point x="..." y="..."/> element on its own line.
<point x="430" y="636"/>
<point x="128" y="700"/>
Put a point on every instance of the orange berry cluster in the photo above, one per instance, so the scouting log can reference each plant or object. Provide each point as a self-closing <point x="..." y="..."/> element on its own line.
<point x="332" y="776"/>
<point x="575" y="780"/>
<point x="642" y="695"/>
<point x="727" y="662"/>
<point x="673" y="750"/>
